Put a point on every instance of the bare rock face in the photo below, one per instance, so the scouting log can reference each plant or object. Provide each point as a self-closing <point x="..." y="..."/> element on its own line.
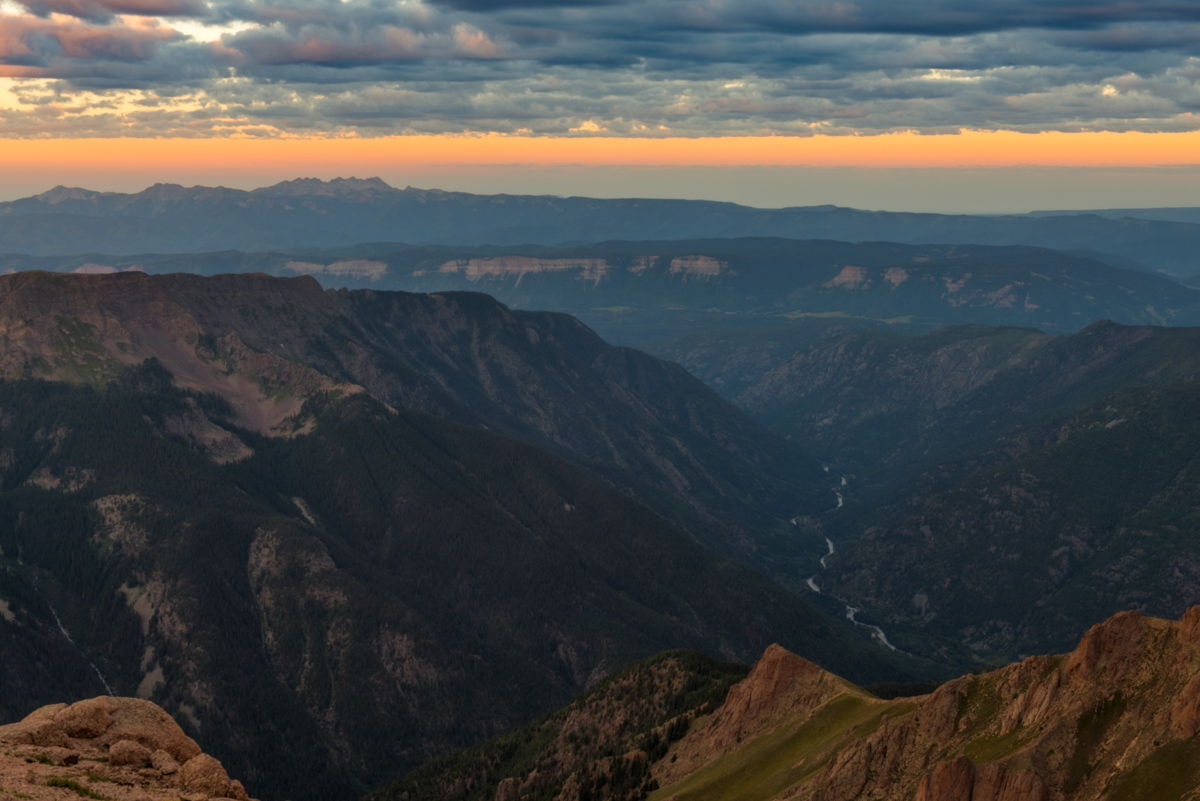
<point x="1109" y="650"/>
<point x="781" y="685"/>
<point x="963" y="780"/>
<point x="1185" y="713"/>
<point x="39" y="728"/>
<point x="86" y="719"/>
<point x="62" y="756"/>
<point x="950" y="781"/>
<point x="127" y="752"/>
<point x="1070" y="728"/>
<point x="105" y="720"/>
<point x="203" y="774"/>
<point x="124" y="742"/>
<point x="163" y="762"/>
<point x="864" y="767"/>
<point x="1189" y="626"/>
<point x="149" y="725"/>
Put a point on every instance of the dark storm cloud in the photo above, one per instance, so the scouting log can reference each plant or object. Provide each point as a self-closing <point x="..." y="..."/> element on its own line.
<point x="633" y="68"/>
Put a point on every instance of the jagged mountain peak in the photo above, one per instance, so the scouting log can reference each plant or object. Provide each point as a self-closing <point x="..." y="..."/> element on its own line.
<point x="61" y="194"/>
<point x="337" y="187"/>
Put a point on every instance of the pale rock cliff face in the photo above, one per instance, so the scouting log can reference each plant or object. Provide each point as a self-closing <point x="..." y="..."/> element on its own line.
<point x="519" y="266"/>
<point x="594" y="270"/>
<point x="116" y="748"/>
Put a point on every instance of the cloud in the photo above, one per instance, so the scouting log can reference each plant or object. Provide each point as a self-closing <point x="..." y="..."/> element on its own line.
<point x="106" y="9"/>
<point x="583" y="68"/>
<point x="502" y="5"/>
<point x="35" y="47"/>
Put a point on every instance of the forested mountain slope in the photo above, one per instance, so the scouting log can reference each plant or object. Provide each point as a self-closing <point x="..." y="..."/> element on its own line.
<point x="1019" y="546"/>
<point x="266" y="343"/>
<point x="875" y="401"/>
<point x="1005" y="488"/>
<point x="233" y="494"/>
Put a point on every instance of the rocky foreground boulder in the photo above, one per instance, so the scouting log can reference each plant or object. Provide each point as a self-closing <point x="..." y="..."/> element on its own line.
<point x="109" y="748"/>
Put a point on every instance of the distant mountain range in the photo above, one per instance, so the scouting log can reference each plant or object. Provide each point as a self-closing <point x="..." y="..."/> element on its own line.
<point x="309" y="213"/>
<point x="1176" y="214"/>
<point x="633" y="292"/>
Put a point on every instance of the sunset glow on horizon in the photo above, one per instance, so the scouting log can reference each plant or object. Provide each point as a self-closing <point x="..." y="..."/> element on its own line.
<point x="479" y="95"/>
<point x="967" y="149"/>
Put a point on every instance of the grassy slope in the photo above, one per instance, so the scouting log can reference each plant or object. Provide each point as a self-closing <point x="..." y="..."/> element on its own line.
<point x="788" y="755"/>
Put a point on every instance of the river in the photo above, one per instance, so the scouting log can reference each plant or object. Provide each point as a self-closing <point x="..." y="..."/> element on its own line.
<point x="876" y="632"/>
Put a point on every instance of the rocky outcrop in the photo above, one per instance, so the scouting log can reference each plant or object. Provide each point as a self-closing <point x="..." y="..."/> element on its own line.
<point x="204" y="775"/>
<point x="124" y="743"/>
<point x="1123" y="706"/>
<point x="962" y="780"/>
<point x="103" y="722"/>
<point x="1185" y="713"/>
<point x="782" y="686"/>
<point x="127" y="752"/>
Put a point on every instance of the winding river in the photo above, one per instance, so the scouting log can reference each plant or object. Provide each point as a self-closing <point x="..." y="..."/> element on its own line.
<point x="876" y="632"/>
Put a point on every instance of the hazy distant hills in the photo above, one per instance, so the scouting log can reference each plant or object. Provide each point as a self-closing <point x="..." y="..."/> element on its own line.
<point x="280" y="513"/>
<point x="309" y="213"/>
<point x="637" y="291"/>
<point x="1177" y="214"/>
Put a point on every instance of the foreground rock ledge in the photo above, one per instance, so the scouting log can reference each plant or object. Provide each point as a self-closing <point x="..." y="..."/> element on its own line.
<point x="117" y="748"/>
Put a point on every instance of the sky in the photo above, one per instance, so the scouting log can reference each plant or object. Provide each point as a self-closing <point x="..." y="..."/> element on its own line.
<point x="994" y="105"/>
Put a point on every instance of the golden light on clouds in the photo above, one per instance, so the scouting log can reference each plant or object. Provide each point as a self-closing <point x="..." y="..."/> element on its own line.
<point x="967" y="149"/>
